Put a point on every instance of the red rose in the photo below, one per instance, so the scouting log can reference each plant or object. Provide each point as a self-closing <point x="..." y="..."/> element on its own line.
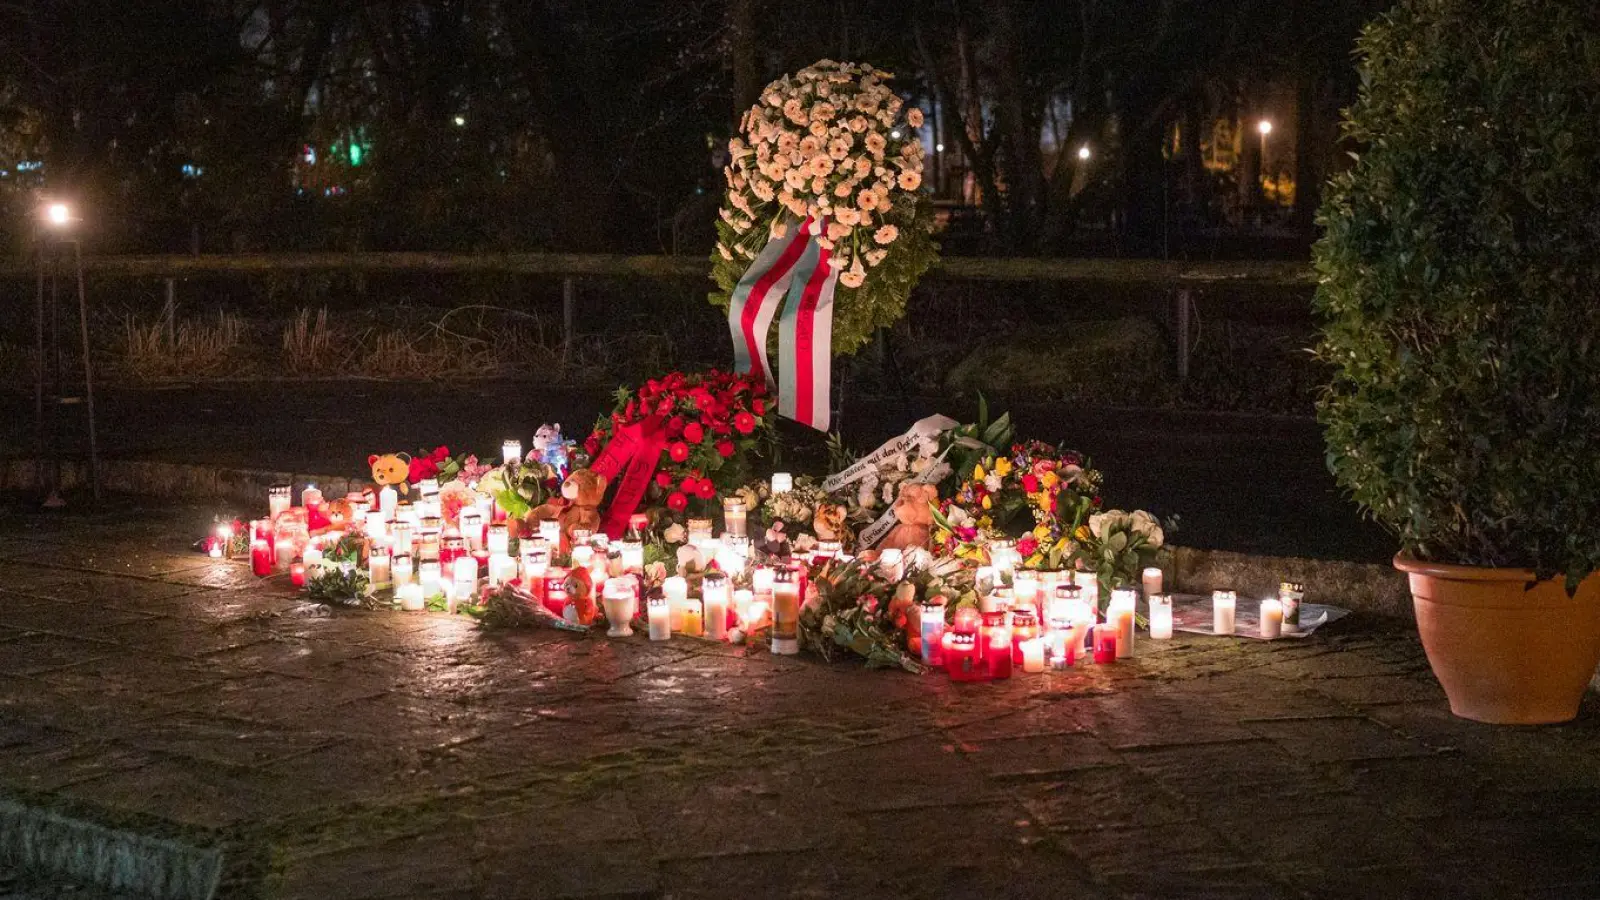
<point x="691" y="485"/>
<point x="1026" y="545"/>
<point x="675" y="427"/>
<point x="745" y="422"/>
<point x="694" y="433"/>
<point x="1031" y="485"/>
<point x="725" y="448"/>
<point x="707" y="489"/>
<point x="679" y="451"/>
<point x="663" y="480"/>
<point x="760" y="406"/>
<point x="677" y="502"/>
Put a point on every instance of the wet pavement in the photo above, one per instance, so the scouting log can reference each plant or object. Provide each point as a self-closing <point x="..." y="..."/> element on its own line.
<point x="1253" y="484"/>
<point x="387" y="754"/>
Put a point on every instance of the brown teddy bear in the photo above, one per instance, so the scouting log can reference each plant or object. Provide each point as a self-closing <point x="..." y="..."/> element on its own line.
<point x="913" y="512"/>
<point x="829" y="524"/>
<point x="391" y="470"/>
<point x="578" y="508"/>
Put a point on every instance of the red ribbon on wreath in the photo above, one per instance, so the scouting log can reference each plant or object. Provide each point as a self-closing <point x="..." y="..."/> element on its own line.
<point x="633" y="452"/>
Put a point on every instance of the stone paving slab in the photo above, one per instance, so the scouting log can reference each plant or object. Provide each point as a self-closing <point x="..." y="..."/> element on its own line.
<point x="386" y="755"/>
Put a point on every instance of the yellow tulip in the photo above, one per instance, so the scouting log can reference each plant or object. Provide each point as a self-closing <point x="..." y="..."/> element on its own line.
<point x="977" y="472"/>
<point x="1002" y="467"/>
<point x="986" y="502"/>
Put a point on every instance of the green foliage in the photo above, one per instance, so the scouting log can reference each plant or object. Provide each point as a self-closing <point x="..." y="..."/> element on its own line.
<point x="1457" y="279"/>
<point x="338" y="588"/>
<point x="857" y="312"/>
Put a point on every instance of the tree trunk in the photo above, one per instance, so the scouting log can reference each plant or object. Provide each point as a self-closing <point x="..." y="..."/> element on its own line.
<point x="742" y="55"/>
<point x="1308" y="172"/>
<point x="1144" y="176"/>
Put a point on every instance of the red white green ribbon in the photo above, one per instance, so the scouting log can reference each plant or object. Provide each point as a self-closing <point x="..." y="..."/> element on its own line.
<point x="793" y="266"/>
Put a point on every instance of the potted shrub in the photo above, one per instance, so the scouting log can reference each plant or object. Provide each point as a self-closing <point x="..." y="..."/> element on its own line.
<point x="1460" y="308"/>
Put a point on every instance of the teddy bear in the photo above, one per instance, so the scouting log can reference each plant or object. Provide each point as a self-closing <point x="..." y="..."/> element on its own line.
<point x="828" y="523"/>
<point x="578" y="507"/>
<point x="913" y="513"/>
<point x="391" y="470"/>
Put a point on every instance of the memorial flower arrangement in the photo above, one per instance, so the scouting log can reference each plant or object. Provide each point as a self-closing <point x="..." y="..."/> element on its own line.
<point x="1055" y="487"/>
<point x="710" y="425"/>
<point x="1117" y="546"/>
<point x="832" y="144"/>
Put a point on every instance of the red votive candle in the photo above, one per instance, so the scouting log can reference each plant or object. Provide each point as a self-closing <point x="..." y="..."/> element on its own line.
<point x="1105" y="643"/>
<point x="961" y="656"/>
<point x="995" y="640"/>
<point x="260" y="557"/>
<point x="297" y="574"/>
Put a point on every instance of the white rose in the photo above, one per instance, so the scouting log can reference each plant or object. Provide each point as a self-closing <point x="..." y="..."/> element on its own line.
<point x="674" y="534"/>
<point x="1097" y="524"/>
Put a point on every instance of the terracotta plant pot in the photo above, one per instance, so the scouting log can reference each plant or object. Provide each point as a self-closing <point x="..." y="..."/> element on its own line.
<point x="1507" y="650"/>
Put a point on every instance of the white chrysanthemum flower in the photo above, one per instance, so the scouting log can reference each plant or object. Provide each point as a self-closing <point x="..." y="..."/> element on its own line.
<point x="886" y="235"/>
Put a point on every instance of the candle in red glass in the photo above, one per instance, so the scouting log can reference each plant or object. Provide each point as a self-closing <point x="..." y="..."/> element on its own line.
<point x="555" y="590"/>
<point x="1024" y="627"/>
<point x="966" y="619"/>
<point x="995" y="642"/>
<point x="297" y="574"/>
<point x="260" y="557"/>
<point x="451" y="548"/>
<point x="1105" y="643"/>
<point x="961" y="656"/>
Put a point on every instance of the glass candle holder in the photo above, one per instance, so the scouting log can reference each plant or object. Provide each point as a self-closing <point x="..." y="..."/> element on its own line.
<point x="699" y="531"/>
<point x="735" y="515"/>
<point x="785" y="613"/>
<point x="1120" y="612"/>
<point x="410" y="597"/>
<point x="1271" y="619"/>
<point x="1025" y="589"/>
<point x="995" y="644"/>
<point x="550" y="532"/>
<point x="428" y="577"/>
<point x="470" y="524"/>
<point x="1151" y="579"/>
<point x="499" y="540"/>
<point x="1291" y="594"/>
<point x="400" y="568"/>
<point x="617" y="598"/>
<point x="717" y="589"/>
<point x="510" y="452"/>
<point x="1031" y="653"/>
<point x="400" y="537"/>
<point x="960" y="651"/>
<point x="1024" y="627"/>
<point x="1223" y="604"/>
<point x="278" y="499"/>
<point x="660" y="613"/>
<point x="1063" y="600"/>
<point x="1105" y="643"/>
<point x="782" y="482"/>
<point x="1161" y="617"/>
<point x="932" y="632"/>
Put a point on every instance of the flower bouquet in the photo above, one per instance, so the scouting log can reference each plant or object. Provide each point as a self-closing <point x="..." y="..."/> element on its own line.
<point x="711" y="422"/>
<point x="1118" y="545"/>
<point x="1054" y="487"/>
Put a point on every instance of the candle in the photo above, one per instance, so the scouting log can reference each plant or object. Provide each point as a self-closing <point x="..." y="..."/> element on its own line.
<point x="376" y="527"/>
<point x="826" y="550"/>
<point x="734" y="516"/>
<point x="1024" y="628"/>
<point x="632" y="556"/>
<point x="785" y="613"/>
<point x="742" y="598"/>
<point x="410" y="597"/>
<point x="761" y="581"/>
<point x="388" y="501"/>
<point x="1120" y="612"/>
<point x="550" y="532"/>
<point x="502" y="569"/>
<point x="734" y="556"/>
<point x="1003" y="556"/>
<point x="966" y="619"/>
<point x="581" y="536"/>
<point x="699" y="531"/>
<point x="260" y="557"/>
<point x="461" y="591"/>
<point x="297" y="574"/>
<point x="511" y="452"/>
<point x="499" y="541"/>
<point x="400" y="536"/>
<point x="312" y="559"/>
<point x="932" y="619"/>
<point x="760" y="611"/>
<point x="693" y="616"/>
<point x="1152" y="581"/>
<point x="277" y="499"/>
<point x="998" y="600"/>
<point x="582" y="557"/>
<point x="428" y="577"/>
<point x="464" y="568"/>
<point x="718" y="593"/>
<point x="311" y="497"/>
<point x="1105" y="643"/>
<point x="618" y="602"/>
<point x="960" y="651"/>
<point x="1025" y="588"/>
<point x="1222" y="607"/>
<point x="1032" y="651"/>
<point x="215" y="551"/>
<point x="676" y="590"/>
<point x="452" y="546"/>
<point x="1058" y="639"/>
<point x="660" y="619"/>
<point x="1089" y="584"/>
<point x="782" y="482"/>
<point x="470" y="522"/>
<point x="400" y="568"/>
<point x="555" y="591"/>
<point x="995" y="644"/>
<point x="1290" y="594"/>
<point x="984" y="580"/>
<point x="1161" y="617"/>
<point x="1271" y="619"/>
<point x="1064" y="601"/>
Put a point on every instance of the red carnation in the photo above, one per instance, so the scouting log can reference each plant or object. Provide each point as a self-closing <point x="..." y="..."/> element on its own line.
<point x="663" y="480"/>
<point x="679" y="451"/>
<point x="745" y="422"/>
<point x="725" y="448"/>
<point x="694" y="433"/>
<point x="707" y="489"/>
<point x="677" y="502"/>
<point x="1030" y="484"/>
<point x="1026" y="545"/>
<point x="760" y="406"/>
<point x="691" y="485"/>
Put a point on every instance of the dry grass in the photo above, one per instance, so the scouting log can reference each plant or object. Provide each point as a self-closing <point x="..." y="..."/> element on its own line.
<point x="310" y="346"/>
<point x="166" y="348"/>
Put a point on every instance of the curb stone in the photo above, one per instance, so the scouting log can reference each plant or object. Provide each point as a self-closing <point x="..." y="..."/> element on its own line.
<point x="44" y="840"/>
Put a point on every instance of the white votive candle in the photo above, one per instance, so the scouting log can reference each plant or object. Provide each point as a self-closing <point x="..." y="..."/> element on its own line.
<point x="510" y="451"/>
<point x="782" y="482"/>
<point x="410" y="597"/>
<point x="400" y="568"/>
<point x="1089" y="583"/>
<point x="718" y="594"/>
<point x="660" y="619"/>
<point x="1032" y="654"/>
<point x="550" y="532"/>
<point x="1271" y="619"/>
<point x="428" y="577"/>
<point x="471" y="526"/>
<point x="761" y="581"/>
<point x="785" y="614"/>
<point x="1222" y="609"/>
<point x="464" y="568"/>
<point x="388" y="501"/>
<point x="1120" y="612"/>
<point x="502" y="568"/>
<point x="1161" y="617"/>
<point x="1152" y="581"/>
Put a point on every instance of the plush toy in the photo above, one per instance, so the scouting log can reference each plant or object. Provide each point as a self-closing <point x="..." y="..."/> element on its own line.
<point x="828" y="523"/>
<point x="391" y="470"/>
<point x="578" y="508"/>
<point x="549" y="448"/>
<point x="580" y="593"/>
<point x="427" y="466"/>
<point x="913" y="512"/>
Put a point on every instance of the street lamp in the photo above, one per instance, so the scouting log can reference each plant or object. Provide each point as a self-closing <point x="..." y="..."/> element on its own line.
<point x="52" y="239"/>
<point x="1265" y="127"/>
<point x="1083" y="153"/>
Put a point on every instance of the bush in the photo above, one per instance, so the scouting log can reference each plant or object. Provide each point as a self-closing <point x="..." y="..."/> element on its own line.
<point x="1459" y="269"/>
<point x="1117" y="362"/>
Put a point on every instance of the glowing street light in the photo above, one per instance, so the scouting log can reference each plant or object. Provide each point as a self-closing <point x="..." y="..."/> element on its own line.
<point x="460" y="121"/>
<point x="1265" y="127"/>
<point x="1083" y="153"/>
<point x="58" y="215"/>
